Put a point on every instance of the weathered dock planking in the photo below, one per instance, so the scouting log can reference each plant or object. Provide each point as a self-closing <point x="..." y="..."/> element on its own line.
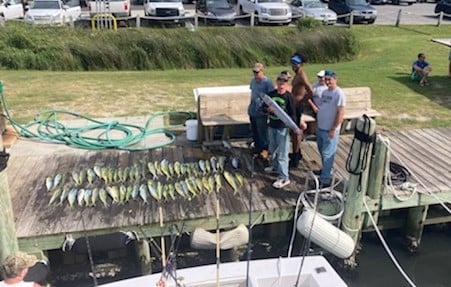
<point x="425" y="152"/>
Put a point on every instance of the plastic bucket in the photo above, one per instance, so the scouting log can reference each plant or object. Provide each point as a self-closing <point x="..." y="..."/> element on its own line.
<point x="191" y="130"/>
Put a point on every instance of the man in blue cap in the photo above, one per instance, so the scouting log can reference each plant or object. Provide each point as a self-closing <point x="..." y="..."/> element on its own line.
<point x="331" y="109"/>
<point x="302" y="92"/>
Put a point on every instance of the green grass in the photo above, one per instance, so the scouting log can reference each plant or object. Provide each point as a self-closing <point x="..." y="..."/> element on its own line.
<point x="384" y="61"/>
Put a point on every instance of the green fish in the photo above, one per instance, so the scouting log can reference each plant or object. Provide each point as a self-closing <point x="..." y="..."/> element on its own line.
<point x="56" y="194"/>
<point x="113" y="191"/>
<point x="64" y="194"/>
<point x="206" y="184"/>
<point x="57" y="180"/>
<point x="90" y="176"/>
<point x="128" y="193"/>
<point x="165" y="168"/>
<point x="218" y="181"/>
<point x="76" y="178"/>
<point x="82" y="176"/>
<point x="126" y="173"/>
<point x="87" y="197"/>
<point x="72" y="196"/>
<point x="103" y="195"/>
<point x="214" y="163"/>
<point x="191" y="186"/>
<point x="171" y="169"/>
<point x="211" y="184"/>
<point x="239" y="178"/>
<point x="95" y="195"/>
<point x="98" y="171"/>
<point x="202" y="166"/>
<point x="221" y="163"/>
<point x="207" y="166"/>
<point x="81" y="196"/>
<point x="135" y="191"/>
<point x="199" y="184"/>
<point x="143" y="193"/>
<point x="122" y="193"/>
<point x="152" y="170"/>
<point x="159" y="190"/>
<point x="179" y="189"/>
<point x="49" y="183"/>
<point x="153" y="189"/>
<point x="171" y="190"/>
<point x="231" y="180"/>
<point x="185" y="189"/>
<point x="177" y="168"/>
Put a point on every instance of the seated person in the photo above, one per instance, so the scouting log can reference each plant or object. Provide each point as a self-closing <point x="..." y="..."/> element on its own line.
<point x="421" y="70"/>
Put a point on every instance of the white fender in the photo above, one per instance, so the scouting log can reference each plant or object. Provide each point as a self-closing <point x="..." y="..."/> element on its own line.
<point x="325" y="234"/>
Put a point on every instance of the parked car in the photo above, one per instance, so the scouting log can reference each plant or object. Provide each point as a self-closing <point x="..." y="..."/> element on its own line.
<point x="314" y="9"/>
<point x="118" y="8"/>
<point x="11" y="9"/>
<point x="443" y="6"/>
<point x="53" y="12"/>
<point x="165" y="8"/>
<point x="396" y="2"/>
<point x="362" y="11"/>
<point x="216" y="11"/>
<point x="266" y="11"/>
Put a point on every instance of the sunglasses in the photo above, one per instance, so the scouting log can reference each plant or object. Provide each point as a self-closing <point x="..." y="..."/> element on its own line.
<point x="256" y="72"/>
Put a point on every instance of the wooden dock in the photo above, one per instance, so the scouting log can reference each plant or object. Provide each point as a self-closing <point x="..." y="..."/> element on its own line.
<point x="426" y="153"/>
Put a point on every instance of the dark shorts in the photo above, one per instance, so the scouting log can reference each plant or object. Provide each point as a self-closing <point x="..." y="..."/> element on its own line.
<point x="299" y="111"/>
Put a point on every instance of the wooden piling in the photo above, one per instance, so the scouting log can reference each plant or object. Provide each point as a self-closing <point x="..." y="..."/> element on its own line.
<point x="8" y="239"/>
<point x="376" y="175"/>
<point x="415" y="225"/>
<point x="358" y="183"/>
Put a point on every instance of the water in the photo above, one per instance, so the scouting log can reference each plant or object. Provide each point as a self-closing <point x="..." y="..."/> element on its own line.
<point x="428" y="267"/>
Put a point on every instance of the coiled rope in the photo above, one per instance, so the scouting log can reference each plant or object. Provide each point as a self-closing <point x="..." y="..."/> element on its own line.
<point x="97" y="135"/>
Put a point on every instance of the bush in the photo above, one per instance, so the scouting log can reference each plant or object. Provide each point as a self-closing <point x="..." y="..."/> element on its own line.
<point x="60" y="48"/>
<point x="308" y="24"/>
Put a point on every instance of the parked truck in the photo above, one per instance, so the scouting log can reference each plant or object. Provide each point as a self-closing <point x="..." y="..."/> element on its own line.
<point x="118" y="8"/>
<point x="266" y="11"/>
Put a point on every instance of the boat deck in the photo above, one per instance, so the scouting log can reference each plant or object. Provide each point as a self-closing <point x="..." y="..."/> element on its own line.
<point x="426" y="152"/>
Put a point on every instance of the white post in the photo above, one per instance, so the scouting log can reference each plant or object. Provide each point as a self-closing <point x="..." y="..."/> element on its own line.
<point x="252" y="19"/>
<point x="440" y="18"/>
<point x="138" y="21"/>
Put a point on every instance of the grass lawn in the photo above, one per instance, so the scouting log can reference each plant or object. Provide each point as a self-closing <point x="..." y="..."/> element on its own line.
<point x="383" y="64"/>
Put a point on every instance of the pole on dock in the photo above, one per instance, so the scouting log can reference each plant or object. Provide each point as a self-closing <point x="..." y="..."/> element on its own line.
<point x="415" y="225"/>
<point x="358" y="167"/>
<point x="376" y="174"/>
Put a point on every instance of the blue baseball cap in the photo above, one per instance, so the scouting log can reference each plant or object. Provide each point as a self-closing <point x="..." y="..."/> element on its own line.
<point x="296" y="59"/>
<point x="330" y="73"/>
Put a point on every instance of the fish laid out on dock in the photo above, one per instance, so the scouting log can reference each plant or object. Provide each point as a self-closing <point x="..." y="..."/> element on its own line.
<point x="146" y="181"/>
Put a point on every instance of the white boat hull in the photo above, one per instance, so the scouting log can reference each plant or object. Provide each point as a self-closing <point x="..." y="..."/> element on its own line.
<point x="316" y="272"/>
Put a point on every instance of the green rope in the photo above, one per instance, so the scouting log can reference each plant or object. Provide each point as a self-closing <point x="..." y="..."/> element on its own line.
<point x="50" y="129"/>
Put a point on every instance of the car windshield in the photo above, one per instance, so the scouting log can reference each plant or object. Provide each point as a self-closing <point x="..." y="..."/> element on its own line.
<point x="172" y="1"/>
<point x="45" y="5"/>
<point x="218" y="4"/>
<point x="357" y="2"/>
<point x="269" y="1"/>
<point x="314" y="4"/>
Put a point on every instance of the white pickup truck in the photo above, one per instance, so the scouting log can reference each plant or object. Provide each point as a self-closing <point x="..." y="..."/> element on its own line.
<point x="266" y="11"/>
<point x="166" y="10"/>
<point x="118" y="8"/>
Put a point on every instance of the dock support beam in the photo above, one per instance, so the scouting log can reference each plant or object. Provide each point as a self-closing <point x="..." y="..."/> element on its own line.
<point x="360" y="154"/>
<point x="8" y="238"/>
<point x="415" y="225"/>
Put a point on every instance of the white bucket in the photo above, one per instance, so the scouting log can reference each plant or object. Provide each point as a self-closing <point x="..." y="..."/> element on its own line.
<point x="191" y="130"/>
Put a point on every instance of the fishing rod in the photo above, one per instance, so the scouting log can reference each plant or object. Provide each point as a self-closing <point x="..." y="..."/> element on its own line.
<point x="250" y="222"/>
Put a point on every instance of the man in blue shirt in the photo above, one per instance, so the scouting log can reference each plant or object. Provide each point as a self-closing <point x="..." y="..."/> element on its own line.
<point x="260" y="85"/>
<point x="421" y="70"/>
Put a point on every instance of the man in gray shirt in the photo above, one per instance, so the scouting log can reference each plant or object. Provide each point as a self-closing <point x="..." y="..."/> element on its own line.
<point x="260" y="85"/>
<point x="329" y="118"/>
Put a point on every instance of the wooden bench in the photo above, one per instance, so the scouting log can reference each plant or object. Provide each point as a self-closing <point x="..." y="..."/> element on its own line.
<point x="220" y="106"/>
<point x="358" y="103"/>
<point x="227" y="106"/>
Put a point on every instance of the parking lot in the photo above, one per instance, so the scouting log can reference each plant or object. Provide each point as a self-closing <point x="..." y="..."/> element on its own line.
<point x="418" y="13"/>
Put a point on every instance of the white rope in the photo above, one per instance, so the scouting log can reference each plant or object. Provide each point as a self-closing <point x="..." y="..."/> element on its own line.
<point x="387" y="249"/>
<point x="428" y="191"/>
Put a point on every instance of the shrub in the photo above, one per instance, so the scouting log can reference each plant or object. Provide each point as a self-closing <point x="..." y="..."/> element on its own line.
<point x="61" y="48"/>
<point x="308" y="24"/>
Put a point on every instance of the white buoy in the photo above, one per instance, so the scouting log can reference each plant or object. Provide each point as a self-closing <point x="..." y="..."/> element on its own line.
<point x="325" y="234"/>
